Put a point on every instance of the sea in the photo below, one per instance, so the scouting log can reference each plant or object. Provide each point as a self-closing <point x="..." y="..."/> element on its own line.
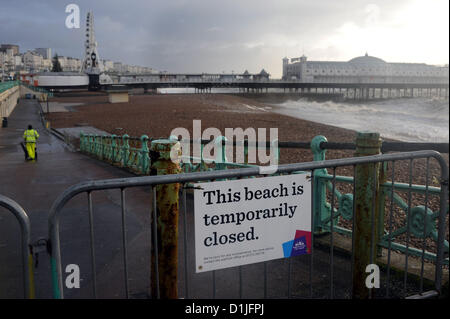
<point x="403" y="119"/>
<point x="408" y="120"/>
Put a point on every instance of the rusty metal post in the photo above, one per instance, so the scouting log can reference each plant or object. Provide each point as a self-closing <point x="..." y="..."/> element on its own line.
<point x="165" y="158"/>
<point x="365" y="229"/>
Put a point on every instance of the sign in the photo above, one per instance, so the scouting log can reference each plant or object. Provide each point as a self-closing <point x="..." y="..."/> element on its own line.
<point x="251" y="220"/>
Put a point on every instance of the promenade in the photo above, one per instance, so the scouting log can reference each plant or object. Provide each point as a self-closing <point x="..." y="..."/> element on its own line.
<point x="36" y="185"/>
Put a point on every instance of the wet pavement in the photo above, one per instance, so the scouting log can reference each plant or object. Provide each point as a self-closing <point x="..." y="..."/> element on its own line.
<point x="36" y="185"/>
<point x="59" y="107"/>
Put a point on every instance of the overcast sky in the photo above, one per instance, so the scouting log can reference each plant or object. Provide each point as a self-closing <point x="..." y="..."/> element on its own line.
<point x="234" y="35"/>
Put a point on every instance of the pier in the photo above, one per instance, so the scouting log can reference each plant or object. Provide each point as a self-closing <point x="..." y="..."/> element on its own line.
<point x="356" y="91"/>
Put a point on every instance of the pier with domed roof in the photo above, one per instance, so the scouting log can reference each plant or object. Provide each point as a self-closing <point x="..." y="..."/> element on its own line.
<point x="366" y="77"/>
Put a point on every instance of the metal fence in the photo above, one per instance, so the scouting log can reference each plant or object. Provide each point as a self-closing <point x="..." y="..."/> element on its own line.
<point x="418" y="224"/>
<point x="118" y="151"/>
<point x="36" y="88"/>
<point x="133" y="153"/>
<point x="8" y="85"/>
<point x="26" y="248"/>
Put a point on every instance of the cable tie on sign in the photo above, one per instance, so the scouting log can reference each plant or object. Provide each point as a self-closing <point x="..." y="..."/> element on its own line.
<point x="193" y="187"/>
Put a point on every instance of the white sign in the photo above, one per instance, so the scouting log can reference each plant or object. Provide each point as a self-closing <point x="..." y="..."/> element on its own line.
<point x="251" y="220"/>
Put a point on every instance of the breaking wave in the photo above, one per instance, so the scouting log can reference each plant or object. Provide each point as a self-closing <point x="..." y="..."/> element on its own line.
<point x="409" y="120"/>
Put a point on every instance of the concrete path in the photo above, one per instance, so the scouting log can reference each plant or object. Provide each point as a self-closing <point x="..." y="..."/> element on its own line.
<point x="58" y="106"/>
<point x="36" y="185"/>
<point x="74" y="132"/>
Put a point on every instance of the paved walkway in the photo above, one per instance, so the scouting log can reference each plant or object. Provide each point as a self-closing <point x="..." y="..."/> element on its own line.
<point x="36" y="185"/>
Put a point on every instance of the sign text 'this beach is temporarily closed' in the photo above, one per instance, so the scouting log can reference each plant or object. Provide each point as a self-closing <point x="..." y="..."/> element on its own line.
<point x="251" y="220"/>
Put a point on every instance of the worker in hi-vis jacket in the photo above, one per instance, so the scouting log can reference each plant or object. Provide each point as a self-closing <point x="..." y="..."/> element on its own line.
<point x="30" y="137"/>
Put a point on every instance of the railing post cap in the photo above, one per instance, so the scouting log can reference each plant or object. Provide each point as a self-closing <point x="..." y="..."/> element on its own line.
<point x="367" y="135"/>
<point x="316" y="141"/>
<point x="368" y="139"/>
<point x="167" y="149"/>
<point x="368" y="143"/>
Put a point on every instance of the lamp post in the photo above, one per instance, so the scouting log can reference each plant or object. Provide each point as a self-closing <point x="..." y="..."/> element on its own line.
<point x="48" y="95"/>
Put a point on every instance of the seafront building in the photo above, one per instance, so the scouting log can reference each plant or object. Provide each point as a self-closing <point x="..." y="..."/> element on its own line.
<point x="362" y="69"/>
<point x="13" y="62"/>
<point x="13" y="47"/>
<point x="45" y="52"/>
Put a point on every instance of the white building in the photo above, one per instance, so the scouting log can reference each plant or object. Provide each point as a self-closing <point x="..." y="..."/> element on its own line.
<point x="363" y="69"/>
<point x="13" y="47"/>
<point x="32" y="61"/>
<point x="2" y="60"/>
<point x="47" y="65"/>
<point x="69" y="64"/>
<point x="108" y="65"/>
<point x="117" y="67"/>
<point x="121" y="68"/>
<point x="18" y="62"/>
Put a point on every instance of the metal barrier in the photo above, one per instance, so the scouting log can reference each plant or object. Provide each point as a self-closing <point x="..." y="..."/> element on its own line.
<point x="117" y="150"/>
<point x="36" y="88"/>
<point x="372" y="165"/>
<point x="27" y="257"/>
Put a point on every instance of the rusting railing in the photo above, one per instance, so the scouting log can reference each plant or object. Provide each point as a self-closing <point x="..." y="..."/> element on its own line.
<point x="315" y="169"/>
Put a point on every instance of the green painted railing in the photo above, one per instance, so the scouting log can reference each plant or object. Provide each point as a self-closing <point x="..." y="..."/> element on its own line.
<point x="136" y="158"/>
<point x="37" y="89"/>
<point x="323" y="183"/>
<point x="8" y="85"/>
<point x="117" y="151"/>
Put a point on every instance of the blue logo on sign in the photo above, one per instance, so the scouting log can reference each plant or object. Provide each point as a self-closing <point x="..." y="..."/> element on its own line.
<point x="299" y="246"/>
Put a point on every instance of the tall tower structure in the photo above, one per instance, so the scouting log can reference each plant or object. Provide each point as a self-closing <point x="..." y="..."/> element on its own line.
<point x="285" y="66"/>
<point x="303" y="66"/>
<point x="91" y="63"/>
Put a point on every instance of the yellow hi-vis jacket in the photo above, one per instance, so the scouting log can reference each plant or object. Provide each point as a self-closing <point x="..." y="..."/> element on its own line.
<point x="30" y="136"/>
